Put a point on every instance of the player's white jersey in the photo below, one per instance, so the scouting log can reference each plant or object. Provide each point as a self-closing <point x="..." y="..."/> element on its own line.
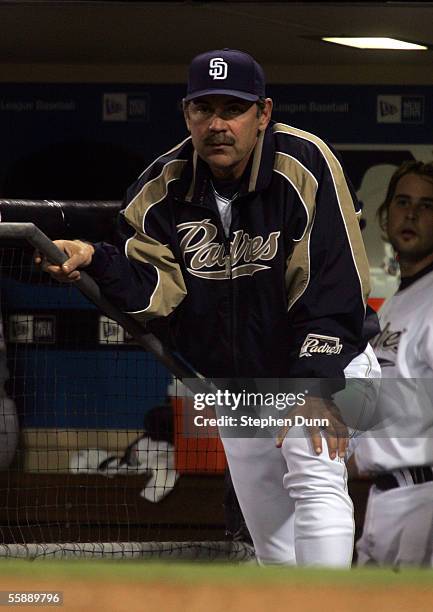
<point x="404" y="349"/>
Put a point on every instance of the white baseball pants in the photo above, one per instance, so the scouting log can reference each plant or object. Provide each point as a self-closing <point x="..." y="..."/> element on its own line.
<point x="295" y="503"/>
<point x="398" y="527"/>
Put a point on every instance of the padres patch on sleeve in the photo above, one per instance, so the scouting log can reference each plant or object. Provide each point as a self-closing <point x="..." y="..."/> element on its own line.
<point x="316" y="343"/>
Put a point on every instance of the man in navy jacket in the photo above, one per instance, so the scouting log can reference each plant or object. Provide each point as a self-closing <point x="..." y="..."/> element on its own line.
<point x="245" y="238"/>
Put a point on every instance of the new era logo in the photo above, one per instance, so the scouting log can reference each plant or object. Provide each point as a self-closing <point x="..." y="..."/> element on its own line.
<point x="318" y="344"/>
<point x="400" y="109"/>
<point x="28" y="329"/>
<point x="218" y="68"/>
<point x="125" y="107"/>
<point x="114" y="107"/>
<point x="110" y="332"/>
<point x="389" y="109"/>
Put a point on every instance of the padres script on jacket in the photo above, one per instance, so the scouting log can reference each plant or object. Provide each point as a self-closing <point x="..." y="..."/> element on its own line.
<point x="291" y="276"/>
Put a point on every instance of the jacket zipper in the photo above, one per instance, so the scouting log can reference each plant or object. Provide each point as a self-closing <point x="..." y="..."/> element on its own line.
<point x="233" y="326"/>
<point x="228" y="268"/>
<point x="228" y="271"/>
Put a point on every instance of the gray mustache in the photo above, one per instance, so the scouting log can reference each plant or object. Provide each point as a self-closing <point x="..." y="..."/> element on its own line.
<point x="222" y="140"/>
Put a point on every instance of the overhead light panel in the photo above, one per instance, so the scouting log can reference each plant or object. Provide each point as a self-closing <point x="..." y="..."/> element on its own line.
<point x="363" y="42"/>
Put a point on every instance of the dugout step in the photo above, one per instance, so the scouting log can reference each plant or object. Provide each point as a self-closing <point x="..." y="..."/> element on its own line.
<point x="70" y="507"/>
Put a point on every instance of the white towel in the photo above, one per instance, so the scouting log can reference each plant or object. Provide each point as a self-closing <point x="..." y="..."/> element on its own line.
<point x="146" y="456"/>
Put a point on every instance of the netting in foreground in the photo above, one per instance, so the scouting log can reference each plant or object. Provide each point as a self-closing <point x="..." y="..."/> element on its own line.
<point x="209" y="551"/>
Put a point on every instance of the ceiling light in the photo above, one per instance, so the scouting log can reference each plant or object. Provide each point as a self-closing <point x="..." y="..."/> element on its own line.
<point x="375" y="43"/>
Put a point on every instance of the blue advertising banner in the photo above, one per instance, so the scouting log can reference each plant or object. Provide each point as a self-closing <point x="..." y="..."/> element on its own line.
<point x="83" y="133"/>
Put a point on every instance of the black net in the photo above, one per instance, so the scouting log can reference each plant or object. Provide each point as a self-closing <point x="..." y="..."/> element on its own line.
<point x="91" y="461"/>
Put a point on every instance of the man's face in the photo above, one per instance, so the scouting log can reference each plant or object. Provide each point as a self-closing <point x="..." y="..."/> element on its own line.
<point x="224" y="131"/>
<point x="410" y="218"/>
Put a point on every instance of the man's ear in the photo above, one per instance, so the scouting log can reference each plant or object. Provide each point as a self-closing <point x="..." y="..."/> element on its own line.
<point x="185" y="114"/>
<point x="265" y="115"/>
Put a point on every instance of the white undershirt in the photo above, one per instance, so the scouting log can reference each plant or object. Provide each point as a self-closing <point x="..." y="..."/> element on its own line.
<point x="225" y="210"/>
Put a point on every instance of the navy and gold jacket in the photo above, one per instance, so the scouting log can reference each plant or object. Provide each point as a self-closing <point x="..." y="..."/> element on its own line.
<point x="284" y="295"/>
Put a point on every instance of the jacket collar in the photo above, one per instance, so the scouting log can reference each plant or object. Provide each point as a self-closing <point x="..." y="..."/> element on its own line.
<point x="196" y="175"/>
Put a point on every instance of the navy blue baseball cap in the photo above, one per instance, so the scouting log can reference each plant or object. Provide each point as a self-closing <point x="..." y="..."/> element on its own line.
<point x="226" y="71"/>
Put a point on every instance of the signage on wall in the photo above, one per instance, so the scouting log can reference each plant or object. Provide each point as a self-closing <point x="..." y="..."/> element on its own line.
<point x="125" y="107"/>
<point x="133" y="124"/>
<point x="400" y="109"/>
